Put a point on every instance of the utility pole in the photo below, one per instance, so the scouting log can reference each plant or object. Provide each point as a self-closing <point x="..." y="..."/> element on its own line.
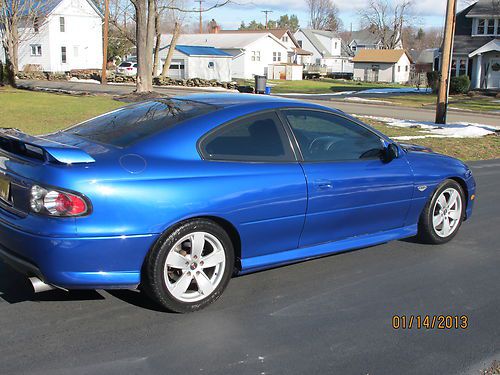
<point x="266" y="12"/>
<point x="104" y="78"/>
<point x="201" y="17"/>
<point x="444" y="81"/>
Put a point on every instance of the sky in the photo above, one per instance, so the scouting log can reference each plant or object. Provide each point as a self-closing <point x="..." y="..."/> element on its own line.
<point x="427" y="12"/>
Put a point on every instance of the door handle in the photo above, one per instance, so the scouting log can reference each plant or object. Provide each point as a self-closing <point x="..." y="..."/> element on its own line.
<point x="323" y="184"/>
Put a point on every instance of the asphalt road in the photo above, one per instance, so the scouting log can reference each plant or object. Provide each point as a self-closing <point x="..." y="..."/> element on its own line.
<point x="326" y="316"/>
<point x="357" y="108"/>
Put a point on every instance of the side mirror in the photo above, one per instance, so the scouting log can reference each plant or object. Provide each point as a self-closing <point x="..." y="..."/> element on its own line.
<point x="391" y="152"/>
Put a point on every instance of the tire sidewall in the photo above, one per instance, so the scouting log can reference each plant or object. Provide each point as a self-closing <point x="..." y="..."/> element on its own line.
<point x="430" y="211"/>
<point x="154" y="278"/>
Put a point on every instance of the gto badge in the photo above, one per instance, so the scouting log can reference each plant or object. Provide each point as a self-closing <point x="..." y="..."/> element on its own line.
<point x="422" y="187"/>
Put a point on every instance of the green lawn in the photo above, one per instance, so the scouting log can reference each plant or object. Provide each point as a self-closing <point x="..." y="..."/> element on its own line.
<point x="38" y="113"/>
<point x="319" y="86"/>
<point x="475" y="103"/>
<point x="487" y="147"/>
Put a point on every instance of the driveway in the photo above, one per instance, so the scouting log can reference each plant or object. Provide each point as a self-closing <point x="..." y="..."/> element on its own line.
<point x="367" y="109"/>
<point x="326" y="316"/>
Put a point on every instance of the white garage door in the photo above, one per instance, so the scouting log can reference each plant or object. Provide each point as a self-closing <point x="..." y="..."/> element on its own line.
<point x="177" y="69"/>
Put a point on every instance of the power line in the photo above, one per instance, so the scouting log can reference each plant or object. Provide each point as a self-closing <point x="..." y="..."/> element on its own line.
<point x="201" y="16"/>
<point x="266" y="12"/>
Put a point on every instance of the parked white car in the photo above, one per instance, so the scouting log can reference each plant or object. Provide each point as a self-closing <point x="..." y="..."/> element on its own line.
<point x="127" y="68"/>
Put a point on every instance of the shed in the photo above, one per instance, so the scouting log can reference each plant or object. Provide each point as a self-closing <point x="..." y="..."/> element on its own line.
<point x="285" y="71"/>
<point x="198" y="62"/>
<point x="382" y="65"/>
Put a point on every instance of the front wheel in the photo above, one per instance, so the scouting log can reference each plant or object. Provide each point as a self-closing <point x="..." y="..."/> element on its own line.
<point x="190" y="267"/>
<point x="443" y="214"/>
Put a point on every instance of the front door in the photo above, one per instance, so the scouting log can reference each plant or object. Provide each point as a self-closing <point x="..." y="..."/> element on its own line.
<point x="494" y="74"/>
<point x="351" y="190"/>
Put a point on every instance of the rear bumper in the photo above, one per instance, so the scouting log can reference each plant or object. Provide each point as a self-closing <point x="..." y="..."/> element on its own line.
<point x="79" y="262"/>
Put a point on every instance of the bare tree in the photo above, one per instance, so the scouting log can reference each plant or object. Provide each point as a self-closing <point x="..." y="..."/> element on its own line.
<point x="145" y="20"/>
<point x="387" y="20"/>
<point x="170" y="54"/>
<point x="19" y="20"/>
<point x="323" y="15"/>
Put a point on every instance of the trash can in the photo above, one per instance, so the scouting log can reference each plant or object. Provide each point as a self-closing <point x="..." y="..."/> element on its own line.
<point x="268" y="90"/>
<point x="260" y="84"/>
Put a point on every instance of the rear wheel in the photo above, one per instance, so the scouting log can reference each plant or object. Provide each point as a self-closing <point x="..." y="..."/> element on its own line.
<point x="189" y="268"/>
<point x="443" y="214"/>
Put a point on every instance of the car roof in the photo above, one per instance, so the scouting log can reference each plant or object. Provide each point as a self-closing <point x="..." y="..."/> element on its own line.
<point x="235" y="99"/>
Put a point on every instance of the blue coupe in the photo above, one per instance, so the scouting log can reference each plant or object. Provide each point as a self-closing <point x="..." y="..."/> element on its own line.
<point x="176" y="195"/>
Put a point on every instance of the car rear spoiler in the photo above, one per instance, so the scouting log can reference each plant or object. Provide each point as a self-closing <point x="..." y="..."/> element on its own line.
<point x="17" y="142"/>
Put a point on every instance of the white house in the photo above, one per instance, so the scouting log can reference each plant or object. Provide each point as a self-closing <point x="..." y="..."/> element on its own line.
<point x="68" y="36"/>
<point x="251" y="52"/>
<point x="382" y="65"/>
<point x="296" y="54"/>
<point x="198" y="62"/>
<point x="327" y="49"/>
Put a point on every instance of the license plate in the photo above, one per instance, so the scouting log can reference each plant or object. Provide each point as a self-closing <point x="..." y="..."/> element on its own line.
<point x="4" y="188"/>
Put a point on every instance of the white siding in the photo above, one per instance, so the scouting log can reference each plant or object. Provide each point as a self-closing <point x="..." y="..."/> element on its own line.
<point x="266" y="46"/>
<point x="386" y="72"/>
<point x="82" y="37"/>
<point x="308" y="46"/>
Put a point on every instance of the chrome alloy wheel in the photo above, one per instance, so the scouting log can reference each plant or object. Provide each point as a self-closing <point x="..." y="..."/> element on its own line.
<point x="447" y="212"/>
<point x="194" y="267"/>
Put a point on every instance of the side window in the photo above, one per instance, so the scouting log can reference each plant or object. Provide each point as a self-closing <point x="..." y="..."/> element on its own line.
<point x="255" y="138"/>
<point x="326" y="137"/>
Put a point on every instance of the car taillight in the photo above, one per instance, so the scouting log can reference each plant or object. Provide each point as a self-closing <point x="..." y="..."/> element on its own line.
<point x="129" y="69"/>
<point x="54" y="202"/>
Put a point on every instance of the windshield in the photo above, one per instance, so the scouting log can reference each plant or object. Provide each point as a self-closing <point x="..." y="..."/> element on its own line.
<point x="125" y="65"/>
<point x="128" y="125"/>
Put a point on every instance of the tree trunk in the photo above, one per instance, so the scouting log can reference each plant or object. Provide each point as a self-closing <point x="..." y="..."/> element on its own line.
<point x="145" y="29"/>
<point x="156" y="60"/>
<point x="171" y="49"/>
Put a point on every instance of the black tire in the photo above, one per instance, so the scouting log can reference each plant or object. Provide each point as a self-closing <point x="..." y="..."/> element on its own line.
<point x="153" y="278"/>
<point x="426" y="232"/>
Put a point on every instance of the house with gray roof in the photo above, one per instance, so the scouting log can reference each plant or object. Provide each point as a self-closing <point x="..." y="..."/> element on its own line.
<point x="367" y="39"/>
<point x="476" y="47"/>
<point x="328" y="50"/>
<point x="66" y="36"/>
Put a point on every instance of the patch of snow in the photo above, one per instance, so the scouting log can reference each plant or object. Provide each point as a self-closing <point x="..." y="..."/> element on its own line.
<point x="395" y="90"/>
<point x="452" y="130"/>
<point x="325" y="94"/>
<point x="357" y="99"/>
<point x="74" y="79"/>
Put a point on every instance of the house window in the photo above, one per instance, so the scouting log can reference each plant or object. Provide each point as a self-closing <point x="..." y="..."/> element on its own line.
<point x="406" y="68"/>
<point x="491" y="26"/>
<point x="354" y="48"/>
<point x="64" y="58"/>
<point x="36" y="50"/>
<point x="211" y="65"/>
<point x="255" y="56"/>
<point x="462" y="67"/>
<point x="62" y="24"/>
<point x="284" y="39"/>
<point x="453" y="68"/>
<point x="300" y="43"/>
<point x="36" y="25"/>
<point x="335" y="45"/>
<point x="480" y="26"/>
<point x="399" y="68"/>
<point x="276" y="56"/>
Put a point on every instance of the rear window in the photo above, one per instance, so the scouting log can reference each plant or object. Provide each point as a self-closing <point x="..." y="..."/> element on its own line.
<point x="125" y="65"/>
<point x="126" y="126"/>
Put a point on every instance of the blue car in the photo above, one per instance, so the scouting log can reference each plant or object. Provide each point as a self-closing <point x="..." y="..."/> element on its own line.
<point x="175" y="196"/>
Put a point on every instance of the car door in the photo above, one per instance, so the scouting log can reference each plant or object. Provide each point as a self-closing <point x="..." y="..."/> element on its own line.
<point x="351" y="190"/>
<point x="263" y="185"/>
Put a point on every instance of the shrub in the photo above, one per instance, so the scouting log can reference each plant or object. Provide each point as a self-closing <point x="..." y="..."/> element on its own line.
<point x="433" y="80"/>
<point x="459" y="85"/>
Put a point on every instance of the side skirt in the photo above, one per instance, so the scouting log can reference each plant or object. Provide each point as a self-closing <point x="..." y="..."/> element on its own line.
<point x="305" y="253"/>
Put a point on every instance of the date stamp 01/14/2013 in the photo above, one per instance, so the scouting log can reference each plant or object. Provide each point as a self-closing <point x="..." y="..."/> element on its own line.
<point x="430" y="322"/>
